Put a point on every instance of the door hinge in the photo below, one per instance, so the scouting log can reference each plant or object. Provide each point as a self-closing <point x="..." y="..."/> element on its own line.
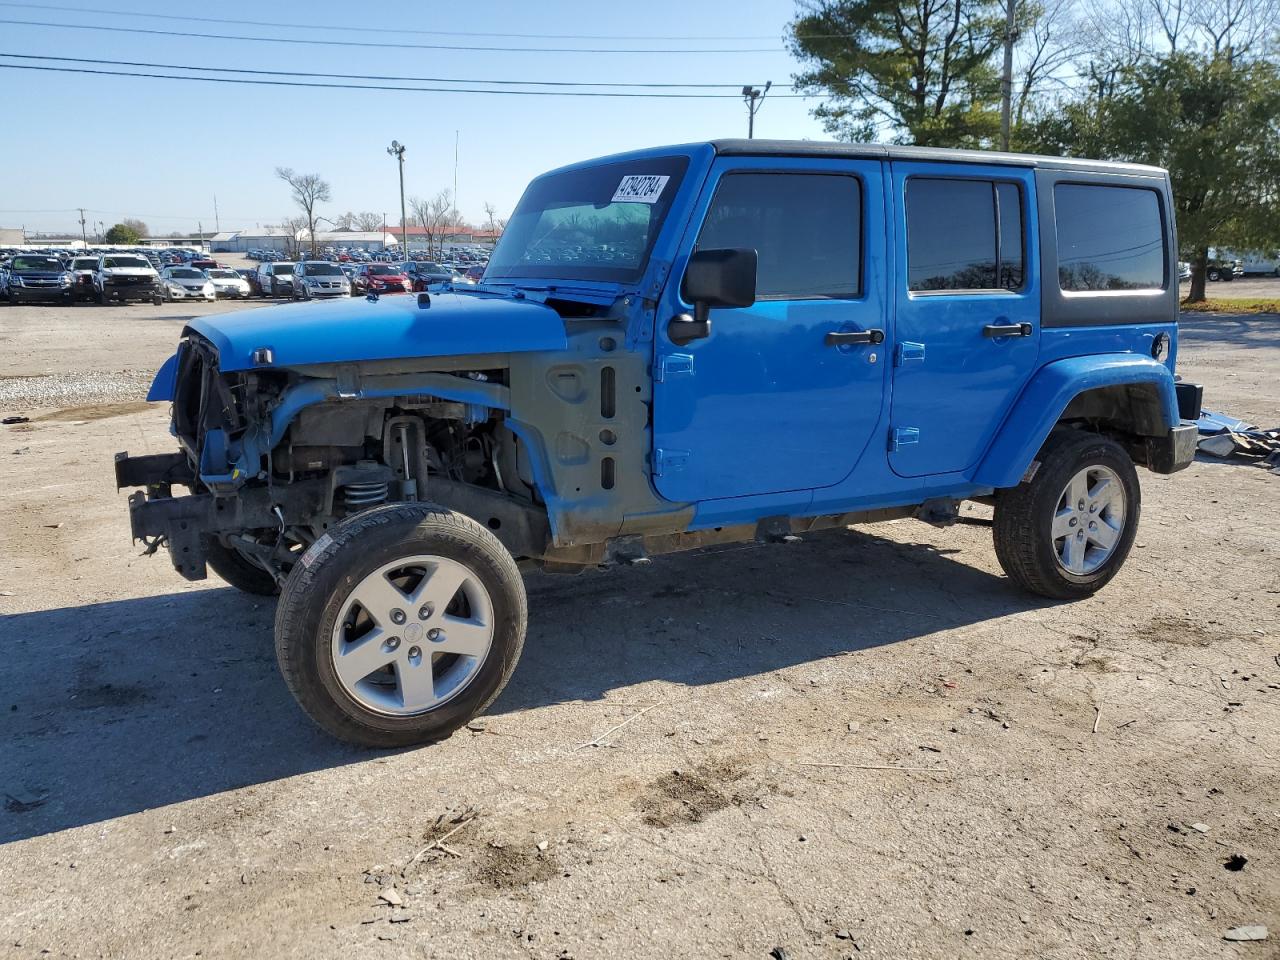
<point x="673" y="365"/>
<point x="669" y="461"/>
<point x="901" y="437"/>
<point x="907" y="351"/>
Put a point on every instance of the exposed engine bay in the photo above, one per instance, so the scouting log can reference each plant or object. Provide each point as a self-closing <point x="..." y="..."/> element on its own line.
<point x="335" y="459"/>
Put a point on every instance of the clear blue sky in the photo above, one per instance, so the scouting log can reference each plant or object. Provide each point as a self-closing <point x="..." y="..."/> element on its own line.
<point x="160" y="150"/>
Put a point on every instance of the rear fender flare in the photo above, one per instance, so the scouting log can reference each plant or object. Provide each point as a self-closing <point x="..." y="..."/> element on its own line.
<point x="1045" y="398"/>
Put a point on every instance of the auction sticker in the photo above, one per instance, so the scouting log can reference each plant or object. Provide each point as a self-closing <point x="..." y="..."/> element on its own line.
<point x="644" y="188"/>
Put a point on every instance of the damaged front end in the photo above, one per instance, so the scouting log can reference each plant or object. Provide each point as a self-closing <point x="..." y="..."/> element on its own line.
<point x="271" y="458"/>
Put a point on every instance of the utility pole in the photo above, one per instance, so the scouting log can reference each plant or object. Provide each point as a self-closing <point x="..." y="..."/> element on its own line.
<point x="455" y="169"/>
<point x="83" y="236"/>
<point x="1006" y="78"/>
<point x="200" y="238"/>
<point x="753" y="97"/>
<point x="217" y="224"/>
<point x="397" y="150"/>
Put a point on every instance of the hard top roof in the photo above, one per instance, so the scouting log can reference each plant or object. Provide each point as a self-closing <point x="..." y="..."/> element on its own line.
<point x="880" y="151"/>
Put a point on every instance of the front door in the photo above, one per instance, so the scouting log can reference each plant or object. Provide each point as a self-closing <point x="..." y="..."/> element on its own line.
<point x="767" y="403"/>
<point x="967" y="332"/>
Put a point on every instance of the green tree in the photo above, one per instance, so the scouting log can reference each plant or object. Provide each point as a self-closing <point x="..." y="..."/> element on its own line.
<point x="123" y="234"/>
<point x="922" y="69"/>
<point x="1212" y="120"/>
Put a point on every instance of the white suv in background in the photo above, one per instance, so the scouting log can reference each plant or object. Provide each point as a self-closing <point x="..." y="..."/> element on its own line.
<point x="126" y="276"/>
<point x="319" y="278"/>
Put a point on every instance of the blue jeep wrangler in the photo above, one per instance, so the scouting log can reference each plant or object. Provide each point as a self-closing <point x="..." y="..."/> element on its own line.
<point x="669" y="349"/>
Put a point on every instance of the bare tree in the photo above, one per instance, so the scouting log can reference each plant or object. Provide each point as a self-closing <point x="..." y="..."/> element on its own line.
<point x="1050" y="43"/>
<point x="367" y="221"/>
<point x="434" y="216"/>
<point x="291" y="229"/>
<point x="492" y="222"/>
<point x="1235" y="27"/>
<point x="309" y="191"/>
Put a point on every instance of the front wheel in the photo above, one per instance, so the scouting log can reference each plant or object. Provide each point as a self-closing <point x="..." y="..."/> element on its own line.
<point x="1065" y="533"/>
<point x="238" y="570"/>
<point x="400" y="624"/>
<point x="1213" y="274"/>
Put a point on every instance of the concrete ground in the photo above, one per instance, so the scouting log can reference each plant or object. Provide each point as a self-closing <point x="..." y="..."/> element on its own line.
<point x="868" y="744"/>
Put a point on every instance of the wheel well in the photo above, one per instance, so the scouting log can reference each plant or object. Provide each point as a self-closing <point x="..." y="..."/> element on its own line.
<point x="1122" y="410"/>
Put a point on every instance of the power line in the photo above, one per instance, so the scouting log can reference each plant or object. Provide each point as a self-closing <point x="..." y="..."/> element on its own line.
<point x="430" y="33"/>
<point x="357" y="86"/>
<point x="375" y="76"/>
<point x="385" y="46"/>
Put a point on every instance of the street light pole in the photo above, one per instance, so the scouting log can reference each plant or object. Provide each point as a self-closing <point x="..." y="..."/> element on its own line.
<point x="397" y="150"/>
<point x="753" y="97"/>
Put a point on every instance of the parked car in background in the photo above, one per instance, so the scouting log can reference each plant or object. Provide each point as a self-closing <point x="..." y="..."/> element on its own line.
<point x="35" y="278"/>
<point x="319" y="278"/>
<point x="275" y="279"/>
<point x="82" y="271"/>
<point x="186" y="283"/>
<point x="126" y="276"/>
<point x="380" y="278"/>
<point x="1259" y="265"/>
<point x="228" y="283"/>
<point x="202" y="263"/>
<point x="475" y="272"/>
<point x="424" y="273"/>
<point x="1220" y="270"/>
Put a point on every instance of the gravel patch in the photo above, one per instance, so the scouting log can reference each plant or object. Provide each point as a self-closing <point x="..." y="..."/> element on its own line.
<point x="73" y="389"/>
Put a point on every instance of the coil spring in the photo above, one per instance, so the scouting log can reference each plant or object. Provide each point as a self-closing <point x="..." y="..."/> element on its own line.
<point x="364" y="493"/>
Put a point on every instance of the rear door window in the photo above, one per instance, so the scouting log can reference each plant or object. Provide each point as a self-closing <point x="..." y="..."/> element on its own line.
<point x="964" y="235"/>
<point x="1109" y="238"/>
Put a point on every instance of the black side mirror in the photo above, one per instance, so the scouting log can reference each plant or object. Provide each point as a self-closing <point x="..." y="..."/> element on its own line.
<point x="713" y="278"/>
<point x="720" y="278"/>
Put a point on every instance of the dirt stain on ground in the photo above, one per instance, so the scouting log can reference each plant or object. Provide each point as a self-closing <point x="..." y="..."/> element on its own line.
<point x="690" y="796"/>
<point x="1175" y="631"/>
<point x="98" y="412"/>
<point x="510" y="867"/>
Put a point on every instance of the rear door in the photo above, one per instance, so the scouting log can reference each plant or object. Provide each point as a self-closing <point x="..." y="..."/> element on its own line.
<point x="766" y="404"/>
<point x="967" y="330"/>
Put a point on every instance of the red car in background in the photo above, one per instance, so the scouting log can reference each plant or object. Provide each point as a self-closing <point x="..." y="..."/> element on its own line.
<point x="380" y="278"/>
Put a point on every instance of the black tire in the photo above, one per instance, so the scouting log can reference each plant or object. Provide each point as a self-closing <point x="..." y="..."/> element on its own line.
<point x="238" y="571"/>
<point x="100" y="297"/>
<point x="318" y="587"/>
<point x="1213" y="274"/>
<point x="1024" y="516"/>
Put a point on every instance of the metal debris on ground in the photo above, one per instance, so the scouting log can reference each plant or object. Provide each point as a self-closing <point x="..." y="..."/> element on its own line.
<point x="1222" y="436"/>
<point x="10" y="420"/>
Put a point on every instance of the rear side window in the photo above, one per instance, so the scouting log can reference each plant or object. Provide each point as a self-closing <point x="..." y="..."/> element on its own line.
<point x="964" y="235"/>
<point x="1109" y="238"/>
<point x="806" y="230"/>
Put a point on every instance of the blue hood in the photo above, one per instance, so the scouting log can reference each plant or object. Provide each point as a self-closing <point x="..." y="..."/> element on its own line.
<point x="392" y="328"/>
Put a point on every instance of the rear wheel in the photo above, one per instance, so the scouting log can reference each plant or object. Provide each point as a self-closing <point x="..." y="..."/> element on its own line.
<point x="1065" y="533"/>
<point x="400" y="625"/>
<point x="1213" y="274"/>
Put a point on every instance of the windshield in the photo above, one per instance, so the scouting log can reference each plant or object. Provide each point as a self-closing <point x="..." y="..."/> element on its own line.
<point x="323" y="270"/>
<point x="380" y="270"/>
<point x="426" y="266"/>
<point x="186" y="274"/>
<point x="281" y="268"/>
<point x="132" y="263"/>
<point x="84" y="263"/>
<point x="224" y="274"/>
<point x="596" y="223"/>
<point x="37" y="263"/>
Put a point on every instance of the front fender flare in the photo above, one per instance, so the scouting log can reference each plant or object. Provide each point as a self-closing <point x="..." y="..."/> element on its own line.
<point x="1045" y="398"/>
